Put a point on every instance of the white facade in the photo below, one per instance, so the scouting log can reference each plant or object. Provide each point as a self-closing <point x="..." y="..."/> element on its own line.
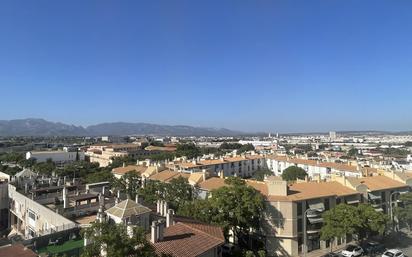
<point x="56" y="156"/>
<point x="32" y="219"/>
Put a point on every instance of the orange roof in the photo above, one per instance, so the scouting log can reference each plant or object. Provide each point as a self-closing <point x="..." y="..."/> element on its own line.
<point x="167" y="175"/>
<point x="216" y="182"/>
<point x="311" y="190"/>
<point x="375" y="183"/>
<point x="339" y="166"/>
<point x="189" y="239"/>
<point x="17" y="250"/>
<point x="123" y="170"/>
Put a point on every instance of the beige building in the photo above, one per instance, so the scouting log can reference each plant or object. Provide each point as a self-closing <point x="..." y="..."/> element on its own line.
<point x="239" y="165"/>
<point x="287" y="204"/>
<point x="104" y="154"/>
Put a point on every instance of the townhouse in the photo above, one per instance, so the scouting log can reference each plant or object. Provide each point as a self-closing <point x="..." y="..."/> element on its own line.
<point x="315" y="168"/>
<point x="238" y="165"/>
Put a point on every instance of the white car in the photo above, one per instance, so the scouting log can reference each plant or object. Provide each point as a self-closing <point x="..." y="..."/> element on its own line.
<point x="393" y="253"/>
<point x="352" y="251"/>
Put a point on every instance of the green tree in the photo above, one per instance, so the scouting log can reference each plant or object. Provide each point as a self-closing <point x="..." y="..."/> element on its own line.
<point x="189" y="150"/>
<point x="237" y="207"/>
<point x="338" y="222"/>
<point x="152" y="191"/>
<point x="245" y="148"/>
<point x="116" y="240"/>
<point x="177" y="192"/>
<point x="293" y="173"/>
<point x="370" y="221"/>
<point x="404" y="211"/>
<point x="261" y="173"/>
<point x="352" y="152"/>
<point x="129" y="183"/>
<point x="45" y="168"/>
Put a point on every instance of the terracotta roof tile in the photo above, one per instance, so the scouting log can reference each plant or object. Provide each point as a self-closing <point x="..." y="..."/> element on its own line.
<point x="189" y="239"/>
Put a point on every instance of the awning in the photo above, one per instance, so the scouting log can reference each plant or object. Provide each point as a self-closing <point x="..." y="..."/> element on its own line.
<point x="315" y="220"/>
<point x="353" y="201"/>
<point x="374" y="197"/>
<point x="316" y="205"/>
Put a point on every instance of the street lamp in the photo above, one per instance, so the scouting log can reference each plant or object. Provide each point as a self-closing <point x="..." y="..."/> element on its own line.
<point x="305" y="247"/>
<point x="390" y="204"/>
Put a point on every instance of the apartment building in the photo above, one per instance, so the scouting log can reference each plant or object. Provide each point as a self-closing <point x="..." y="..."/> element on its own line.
<point x="239" y="165"/>
<point x="315" y="168"/>
<point x="58" y="157"/>
<point x="288" y="206"/>
<point x="31" y="219"/>
<point x="104" y="154"/>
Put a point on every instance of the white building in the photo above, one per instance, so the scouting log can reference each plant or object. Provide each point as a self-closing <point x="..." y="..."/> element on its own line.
<point x="58" y="157"/>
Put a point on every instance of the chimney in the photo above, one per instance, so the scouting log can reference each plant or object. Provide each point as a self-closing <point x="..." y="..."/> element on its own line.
<point x="104" y="190"/>
<point x="165" y="208"/>
<point x="160" y="230"/>
<point x="103" y="250"/>
<point x="158" y="206"/>
<point x="65" y="198"/>
<point x="277" y="187"/>
<point x="100" y="215"/>
<point x="129" y="229"/>
<point x="124" y="164"/>
<point x="169" y="218"/>
<point x="26" y="188"/>
<point x="101" y="199"/>
<point x="204" y="174"/>
<point x="153" y="234"/>
<point x="137" y="198"/>
<point x="222" y="174"/>
<point x="116" y="200"/>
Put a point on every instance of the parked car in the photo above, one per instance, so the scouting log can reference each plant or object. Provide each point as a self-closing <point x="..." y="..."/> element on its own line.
<point x="352" y="251"/>
<point x="332" y="255"/>
<point x="373" y="247"/>
<point x="393" y="253"/>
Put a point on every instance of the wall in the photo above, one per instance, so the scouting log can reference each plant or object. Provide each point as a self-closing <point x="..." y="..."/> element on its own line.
<point x="46" y="220"/>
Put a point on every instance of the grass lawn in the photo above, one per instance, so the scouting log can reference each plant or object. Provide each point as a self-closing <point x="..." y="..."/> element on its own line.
<point x="69" y="245"/>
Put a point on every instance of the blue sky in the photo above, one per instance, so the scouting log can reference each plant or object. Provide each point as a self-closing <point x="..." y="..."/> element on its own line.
<point x="280" y="66"/>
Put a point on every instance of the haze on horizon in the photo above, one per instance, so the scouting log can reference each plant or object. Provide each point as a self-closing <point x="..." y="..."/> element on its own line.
<point x="254" y="66"/>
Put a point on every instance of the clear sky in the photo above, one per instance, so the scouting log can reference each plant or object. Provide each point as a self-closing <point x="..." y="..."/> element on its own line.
<point x="280" y="66"/>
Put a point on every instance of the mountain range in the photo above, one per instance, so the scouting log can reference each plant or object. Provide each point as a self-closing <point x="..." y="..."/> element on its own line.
<point x="41" y="127"/>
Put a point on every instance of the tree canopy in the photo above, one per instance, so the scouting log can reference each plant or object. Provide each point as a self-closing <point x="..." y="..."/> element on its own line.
<point x="404" y="211"/>
<point x="116" y="241"/>
<point x="235" y="207"/>
<point x="343" y="219"/>
<point x="293" y="173"/>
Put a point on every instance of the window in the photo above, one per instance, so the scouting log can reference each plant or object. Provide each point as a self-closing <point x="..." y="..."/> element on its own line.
<point x="383" y="196"/>
<point x="32" y="215"/>
<point x="299" y="207"/>
<point x="326" y="202"/>
<point x="338" y="201"/>
<point x="300" y="225"/>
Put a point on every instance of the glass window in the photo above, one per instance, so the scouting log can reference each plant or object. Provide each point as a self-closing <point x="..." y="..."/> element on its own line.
<point x="299" y="208"/>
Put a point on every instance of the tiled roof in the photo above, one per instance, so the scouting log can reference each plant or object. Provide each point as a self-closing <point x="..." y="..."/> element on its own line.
<point x="216" y="182"/>
<point x="167" y="175"/>
<point x="311" y="190"/>
<point x="17" y="250"/>
<point x="123" y="170"/>
<point x="127" y="208"/>
<point x="375" y="183"/>
<point x="189" y="239"/>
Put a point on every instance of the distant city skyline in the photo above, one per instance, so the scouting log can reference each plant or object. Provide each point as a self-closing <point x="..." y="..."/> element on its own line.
<point x="259" y="66"/>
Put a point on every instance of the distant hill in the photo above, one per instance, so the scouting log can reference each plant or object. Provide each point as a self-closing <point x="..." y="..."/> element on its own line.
<point x="41" y="127"/>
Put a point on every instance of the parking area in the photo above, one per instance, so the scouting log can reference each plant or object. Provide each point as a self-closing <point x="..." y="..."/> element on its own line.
<point x="401" y="241"/>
